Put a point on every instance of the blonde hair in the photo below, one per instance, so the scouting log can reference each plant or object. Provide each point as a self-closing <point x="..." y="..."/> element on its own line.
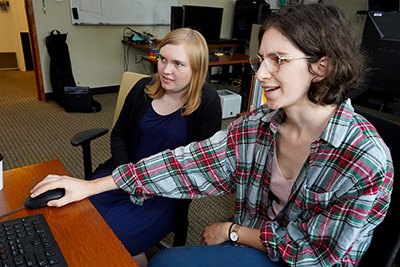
<point x="197" y="52"/>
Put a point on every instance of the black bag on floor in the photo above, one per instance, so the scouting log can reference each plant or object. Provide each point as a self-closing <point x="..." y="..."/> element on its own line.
<point x="80" y="99"/>
<point x="60" y="64"/>
<point x="73" y="100"/>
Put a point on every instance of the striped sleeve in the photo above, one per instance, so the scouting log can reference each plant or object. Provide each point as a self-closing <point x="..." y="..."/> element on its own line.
<point x="196" y="170"/>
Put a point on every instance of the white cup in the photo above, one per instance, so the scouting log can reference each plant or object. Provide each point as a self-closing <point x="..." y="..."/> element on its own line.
<point x="1" y="171"/>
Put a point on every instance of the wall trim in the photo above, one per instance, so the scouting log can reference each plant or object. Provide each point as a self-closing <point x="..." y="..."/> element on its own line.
<point x="94" y="91"/>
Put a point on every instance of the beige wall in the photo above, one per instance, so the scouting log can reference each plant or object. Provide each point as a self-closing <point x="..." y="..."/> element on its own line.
<point x="7" y="43"/>
<point x="97" y="55"/>
<point x="12" y="22"/>
<point x="20" y="24"/>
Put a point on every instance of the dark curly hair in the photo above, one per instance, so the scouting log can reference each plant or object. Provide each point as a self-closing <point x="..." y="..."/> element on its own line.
<point x="323" y="30"/>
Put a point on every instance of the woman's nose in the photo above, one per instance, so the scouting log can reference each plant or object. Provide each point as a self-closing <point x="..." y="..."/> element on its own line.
<point x="167" y="68"/>
<point x="263" y="72"/>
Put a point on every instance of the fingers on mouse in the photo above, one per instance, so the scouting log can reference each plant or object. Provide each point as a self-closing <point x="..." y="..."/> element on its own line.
<point x="41" y="200"/>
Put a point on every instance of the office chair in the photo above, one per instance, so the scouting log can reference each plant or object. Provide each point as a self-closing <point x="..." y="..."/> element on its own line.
<point x="386" y="238"/>
<point x="84" y="138"/>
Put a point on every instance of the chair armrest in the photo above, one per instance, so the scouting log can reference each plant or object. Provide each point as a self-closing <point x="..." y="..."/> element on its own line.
<point x="87" y="136"/>
<point x="83" y="139"/>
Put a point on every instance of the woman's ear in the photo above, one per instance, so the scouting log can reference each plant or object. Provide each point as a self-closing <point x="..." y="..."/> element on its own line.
<point x="320" y="69"/>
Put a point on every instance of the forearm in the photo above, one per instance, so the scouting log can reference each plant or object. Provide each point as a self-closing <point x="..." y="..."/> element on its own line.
<point x="249" y="237"/>
<point x="164" y="174"/>
<point x="101" y="185"/>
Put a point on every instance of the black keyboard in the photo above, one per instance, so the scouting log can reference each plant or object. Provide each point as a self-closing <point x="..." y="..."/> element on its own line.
<point x="28" y="241"/>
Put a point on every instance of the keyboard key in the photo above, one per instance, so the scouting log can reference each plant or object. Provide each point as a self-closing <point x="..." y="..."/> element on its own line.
<point x="41" y="258"/>
<point x="3" y="256"/>
<point x="8" y="263"/>
<point x="53" y="261"/>
<point x="30" y="259"/>
<point x="19" y="260"/>
<point x="36" y="242"/>
<point x="49" y="253"/>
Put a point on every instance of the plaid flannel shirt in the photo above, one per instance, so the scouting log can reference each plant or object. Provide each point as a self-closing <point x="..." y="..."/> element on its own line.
<point x="341" y="194"/>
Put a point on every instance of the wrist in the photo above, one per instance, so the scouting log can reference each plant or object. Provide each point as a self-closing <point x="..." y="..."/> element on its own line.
<point x="233" y="233"/>
<point x="101" y="185"/>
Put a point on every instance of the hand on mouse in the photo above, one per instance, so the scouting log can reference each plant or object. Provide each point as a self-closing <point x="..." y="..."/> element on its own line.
<point x="75" y="189"/>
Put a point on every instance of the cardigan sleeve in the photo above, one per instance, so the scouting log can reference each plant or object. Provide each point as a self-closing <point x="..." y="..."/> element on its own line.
<point x="122" y="131"/>
<point x="207" y="119"/>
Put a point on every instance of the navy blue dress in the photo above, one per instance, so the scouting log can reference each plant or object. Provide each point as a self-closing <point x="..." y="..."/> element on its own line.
<point x="141" y="227"/>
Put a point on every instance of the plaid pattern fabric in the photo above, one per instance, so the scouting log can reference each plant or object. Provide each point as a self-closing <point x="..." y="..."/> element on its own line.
<point x="341" y="194"/>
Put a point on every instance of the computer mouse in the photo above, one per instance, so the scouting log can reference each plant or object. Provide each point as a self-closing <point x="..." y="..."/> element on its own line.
<point x="41" y="200"/>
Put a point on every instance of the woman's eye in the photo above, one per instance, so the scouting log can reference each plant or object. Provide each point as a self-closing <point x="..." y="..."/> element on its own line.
<point x="178" y="64"/>
<point x="275" y="59"/>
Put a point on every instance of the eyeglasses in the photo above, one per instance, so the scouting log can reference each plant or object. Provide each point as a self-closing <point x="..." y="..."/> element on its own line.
<point x="272" y="61"/>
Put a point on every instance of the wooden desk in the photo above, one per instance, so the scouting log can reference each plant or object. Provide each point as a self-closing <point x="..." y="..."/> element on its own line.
<point x="144" y="47"/>
<point x="83" y="236"/>
<point x="225" y="45"/>
<point x="236" y="58"/>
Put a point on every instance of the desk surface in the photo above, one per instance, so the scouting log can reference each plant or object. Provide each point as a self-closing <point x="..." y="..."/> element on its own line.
<point x="145" y="47"/>
<point x="235" y="58"/>
<point x="83" y="236"/>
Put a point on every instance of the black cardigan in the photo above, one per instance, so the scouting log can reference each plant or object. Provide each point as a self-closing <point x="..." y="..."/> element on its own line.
<point x="202" y="123"/>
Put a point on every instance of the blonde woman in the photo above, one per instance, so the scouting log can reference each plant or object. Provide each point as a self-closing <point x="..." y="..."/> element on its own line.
<point x="170" y="109"/>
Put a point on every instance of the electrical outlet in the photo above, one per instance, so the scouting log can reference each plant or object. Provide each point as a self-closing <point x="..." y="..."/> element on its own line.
<point x="139" y="59"/>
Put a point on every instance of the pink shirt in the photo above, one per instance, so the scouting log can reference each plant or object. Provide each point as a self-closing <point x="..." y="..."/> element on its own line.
<point x="280" y="187"/>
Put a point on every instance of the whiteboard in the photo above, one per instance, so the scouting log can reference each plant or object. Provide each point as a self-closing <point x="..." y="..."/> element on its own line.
<point x="121" y="12"/>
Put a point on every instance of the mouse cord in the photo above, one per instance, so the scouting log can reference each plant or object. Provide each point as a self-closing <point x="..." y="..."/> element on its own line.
<point x="8" y="213"/>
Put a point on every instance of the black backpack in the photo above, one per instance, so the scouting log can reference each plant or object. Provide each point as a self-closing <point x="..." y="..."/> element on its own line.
<point x="61" y="77"/>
